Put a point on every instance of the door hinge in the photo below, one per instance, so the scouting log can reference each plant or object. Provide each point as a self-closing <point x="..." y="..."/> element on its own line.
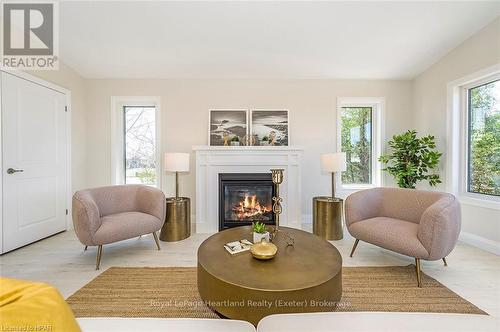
<point x="65" y="108"/>
<point x="66" y="211"/>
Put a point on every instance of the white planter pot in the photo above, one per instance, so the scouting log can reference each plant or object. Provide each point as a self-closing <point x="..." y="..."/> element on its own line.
<point x="257" y="237"/>
<point x="235" y="143"/>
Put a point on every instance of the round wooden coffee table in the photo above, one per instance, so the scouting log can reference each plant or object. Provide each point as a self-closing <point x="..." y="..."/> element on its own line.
<point x="305" y="277"/>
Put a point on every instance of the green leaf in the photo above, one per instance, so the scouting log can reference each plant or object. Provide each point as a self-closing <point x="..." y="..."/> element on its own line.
<point x="411" y="159"/>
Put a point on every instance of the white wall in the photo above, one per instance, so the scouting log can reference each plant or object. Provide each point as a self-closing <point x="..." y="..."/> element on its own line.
<point x="185" y="105"/>
<point x="429" y="112"/>
<point x="419" y="104"/>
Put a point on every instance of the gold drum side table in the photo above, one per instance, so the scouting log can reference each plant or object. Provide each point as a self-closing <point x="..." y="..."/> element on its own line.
<point x="177" y="224"/>
<point x="327" y="217"/>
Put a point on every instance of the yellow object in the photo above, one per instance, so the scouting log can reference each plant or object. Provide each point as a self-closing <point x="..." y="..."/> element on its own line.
<point x="33" y="306"/>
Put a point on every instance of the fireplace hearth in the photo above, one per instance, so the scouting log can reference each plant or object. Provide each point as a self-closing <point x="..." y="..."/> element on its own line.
<point x="245" y="198"/>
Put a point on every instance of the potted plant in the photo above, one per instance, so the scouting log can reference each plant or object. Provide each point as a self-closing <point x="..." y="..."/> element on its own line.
<point x="265" y="141"/>
<point x="235" y="141"/>
<point x="412" y="159"/>
<point x="259" y="232"/>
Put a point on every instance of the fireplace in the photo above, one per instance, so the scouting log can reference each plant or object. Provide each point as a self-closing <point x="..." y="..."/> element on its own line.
<point x="245" y="198"/>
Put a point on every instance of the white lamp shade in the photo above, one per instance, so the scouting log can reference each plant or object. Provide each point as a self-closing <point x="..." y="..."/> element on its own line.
<point x="333" y="162"/>
<point x="176" y="162"/>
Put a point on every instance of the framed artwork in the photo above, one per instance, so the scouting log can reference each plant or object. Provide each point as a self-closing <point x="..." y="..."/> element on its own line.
<point x="269" y="127"/>
<point x="227" y="127"/>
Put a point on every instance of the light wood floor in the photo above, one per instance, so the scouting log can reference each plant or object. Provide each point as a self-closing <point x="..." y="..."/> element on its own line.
<point x="61" y="261"/>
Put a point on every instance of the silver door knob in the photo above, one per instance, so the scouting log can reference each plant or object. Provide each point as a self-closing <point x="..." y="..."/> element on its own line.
<point x="12" y="171"/>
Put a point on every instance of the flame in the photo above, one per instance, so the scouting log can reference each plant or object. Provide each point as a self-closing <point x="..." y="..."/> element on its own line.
<point x="250" y="207"/>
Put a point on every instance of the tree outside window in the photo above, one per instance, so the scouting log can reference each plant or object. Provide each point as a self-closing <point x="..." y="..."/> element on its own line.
<point x="484" y="139"/>
<point x="140" y="145"/>
<point x="356" y="142"/>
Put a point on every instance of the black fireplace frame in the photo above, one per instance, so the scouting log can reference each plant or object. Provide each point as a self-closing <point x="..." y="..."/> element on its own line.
<point x="242" y="179"/>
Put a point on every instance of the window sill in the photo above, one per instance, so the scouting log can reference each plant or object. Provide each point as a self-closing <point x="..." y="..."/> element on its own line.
<point x="476" y="200"/>
<point x="354" y="187"/>
<point x="346" y="190"/>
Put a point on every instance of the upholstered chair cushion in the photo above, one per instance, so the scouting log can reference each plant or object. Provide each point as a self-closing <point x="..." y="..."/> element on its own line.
<point x="397" y="203"/>
<point x="439" y="227"/>
<point x="392" y="234"/>
<point x="417" y="223"/>
<point x="86" y="217"/>
<point x="114" y="213"/>
<point x="126" y="225"/>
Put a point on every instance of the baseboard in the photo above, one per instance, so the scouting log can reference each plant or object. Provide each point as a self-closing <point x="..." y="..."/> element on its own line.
<point x="307" y="219"/>
<point x="306" y="222"/>
<point x="480" y="242"/>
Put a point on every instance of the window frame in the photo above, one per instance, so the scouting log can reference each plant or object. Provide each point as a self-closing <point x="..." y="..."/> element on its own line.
<point x="118" y="104"/>
<point x="467" y="127"/>
<point x="457" y="162"/>
<point x="378" y="107"/>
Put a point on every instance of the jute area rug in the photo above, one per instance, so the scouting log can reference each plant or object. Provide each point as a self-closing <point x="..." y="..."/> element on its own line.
<point x="171" y="292"/>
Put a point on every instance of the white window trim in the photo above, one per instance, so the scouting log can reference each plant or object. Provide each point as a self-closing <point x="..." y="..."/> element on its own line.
<point x="378" y="129"/>
<point x="457" y="133"/>
<point x="117" y="143"/>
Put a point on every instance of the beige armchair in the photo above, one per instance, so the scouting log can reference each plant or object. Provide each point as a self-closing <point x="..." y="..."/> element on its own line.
<point x="416" y="223"/>
<point x="109" y="214"/>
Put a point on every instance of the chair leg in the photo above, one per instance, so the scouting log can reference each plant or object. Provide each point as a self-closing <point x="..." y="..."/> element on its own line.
<point x="419" y="274"/>
<point x="444" y="261"/>
<point x="354" y="247"/>
<point x="99" y="254"/>
<point x="85" y="249"/>
<point x="156" y="240"/>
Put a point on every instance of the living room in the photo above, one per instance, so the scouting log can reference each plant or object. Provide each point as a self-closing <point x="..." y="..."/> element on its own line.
<point x="250" y="166"/>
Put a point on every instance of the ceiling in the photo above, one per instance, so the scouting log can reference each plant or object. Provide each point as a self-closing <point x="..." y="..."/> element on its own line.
<point x="344" y="40"/>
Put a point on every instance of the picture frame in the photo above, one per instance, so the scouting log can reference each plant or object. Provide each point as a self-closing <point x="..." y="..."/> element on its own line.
<point x="269" y="127"/>
<point x="227" y="127"/>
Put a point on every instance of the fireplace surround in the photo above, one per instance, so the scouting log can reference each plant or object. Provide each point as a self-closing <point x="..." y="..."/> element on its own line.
<point x="245" y="198"/>
<point x="214" y="160"/>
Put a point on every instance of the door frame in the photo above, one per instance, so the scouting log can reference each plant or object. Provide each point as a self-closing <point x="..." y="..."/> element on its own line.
<point x="67" y="93"/>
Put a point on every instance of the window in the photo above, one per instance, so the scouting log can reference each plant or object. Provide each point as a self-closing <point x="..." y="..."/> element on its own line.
<point x="140" y="144"/>
<point x="483" y="138"/>
<point x="360" y="136"/>
<point x="135" y="140"/>
<point x="473" y="138"/>
<point x="356" y="142"/>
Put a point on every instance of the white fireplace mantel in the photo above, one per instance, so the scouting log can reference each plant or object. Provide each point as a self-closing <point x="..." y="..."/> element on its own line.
<point x="211" y="161"/>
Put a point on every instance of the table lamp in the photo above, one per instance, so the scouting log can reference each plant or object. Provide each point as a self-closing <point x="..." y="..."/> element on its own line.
<point x="332" y="163"/>
<point x="176" y="162"/>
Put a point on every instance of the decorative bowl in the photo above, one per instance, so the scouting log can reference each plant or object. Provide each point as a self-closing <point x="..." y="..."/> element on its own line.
<point x="263" y="250"/>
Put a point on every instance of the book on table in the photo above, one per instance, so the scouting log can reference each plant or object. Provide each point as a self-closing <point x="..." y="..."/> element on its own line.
<point x="236" y="247"/>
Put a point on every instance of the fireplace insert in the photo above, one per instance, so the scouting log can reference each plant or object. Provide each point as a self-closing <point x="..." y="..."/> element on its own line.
<point x="245" y="198"/>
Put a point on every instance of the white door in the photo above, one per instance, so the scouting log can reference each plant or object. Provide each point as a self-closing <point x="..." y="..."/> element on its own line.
<point x="34" y="161"/>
